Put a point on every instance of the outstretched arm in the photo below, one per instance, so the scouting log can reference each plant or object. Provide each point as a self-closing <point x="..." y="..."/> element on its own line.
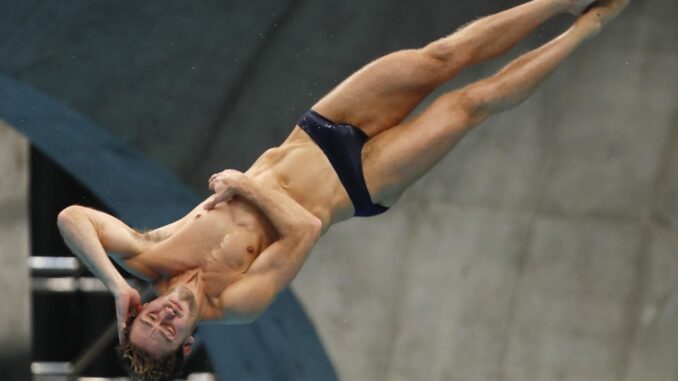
<point x="279" y="263"/>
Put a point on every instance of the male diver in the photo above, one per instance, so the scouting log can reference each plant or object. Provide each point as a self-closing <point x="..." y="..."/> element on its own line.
<point x="352" y="154"/>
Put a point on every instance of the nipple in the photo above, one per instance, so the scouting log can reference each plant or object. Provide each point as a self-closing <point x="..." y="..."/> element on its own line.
<point x="250" y="249"/>
<point x="197" y="216"/>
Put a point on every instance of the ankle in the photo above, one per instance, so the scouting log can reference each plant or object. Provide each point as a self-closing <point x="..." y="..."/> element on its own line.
<point x="560" y="6"/>
<point x="590" y="23"/>
<point x="577" y="7"/>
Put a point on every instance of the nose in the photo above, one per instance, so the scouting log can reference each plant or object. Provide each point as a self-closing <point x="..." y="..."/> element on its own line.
<point x="166" y="314"/>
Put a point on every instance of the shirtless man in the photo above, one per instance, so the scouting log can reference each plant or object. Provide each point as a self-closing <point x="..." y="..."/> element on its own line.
<point x="229" y="257"/>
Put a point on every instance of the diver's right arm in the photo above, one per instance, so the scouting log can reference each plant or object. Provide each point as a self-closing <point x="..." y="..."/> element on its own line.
<point x="90" y="233"/>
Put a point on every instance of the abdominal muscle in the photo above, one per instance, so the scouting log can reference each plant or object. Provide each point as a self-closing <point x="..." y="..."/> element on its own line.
<point x="215" y="247"/>
<point x="300" y="169"/>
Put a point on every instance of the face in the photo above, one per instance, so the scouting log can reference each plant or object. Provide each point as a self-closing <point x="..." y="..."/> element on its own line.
<point x="165" y="323"/>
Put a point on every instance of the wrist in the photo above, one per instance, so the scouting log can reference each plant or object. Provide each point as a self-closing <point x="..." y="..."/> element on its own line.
<point x="242" y="186"/>
<point x="118" y="286"/>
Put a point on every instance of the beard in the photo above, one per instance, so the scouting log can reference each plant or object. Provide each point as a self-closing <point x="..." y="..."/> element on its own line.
<point x="185" y="295"/>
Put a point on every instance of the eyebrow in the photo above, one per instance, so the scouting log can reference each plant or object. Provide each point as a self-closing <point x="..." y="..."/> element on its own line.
<point x="167" y="340"/>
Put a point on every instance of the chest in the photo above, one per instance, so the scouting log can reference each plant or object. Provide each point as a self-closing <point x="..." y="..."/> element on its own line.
<point x="225" y="261"/>
<point x="234" y="253"/>
<point x="221" y="243"/>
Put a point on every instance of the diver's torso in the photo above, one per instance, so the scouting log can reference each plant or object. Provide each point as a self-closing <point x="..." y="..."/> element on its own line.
<point x="219" y="244"/>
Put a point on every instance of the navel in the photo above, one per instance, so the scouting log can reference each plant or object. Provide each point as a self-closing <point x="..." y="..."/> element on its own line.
<point x="284" y="182"/>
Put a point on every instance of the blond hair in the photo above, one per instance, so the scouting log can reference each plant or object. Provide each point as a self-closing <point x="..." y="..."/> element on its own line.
<point x="141" y="366"/>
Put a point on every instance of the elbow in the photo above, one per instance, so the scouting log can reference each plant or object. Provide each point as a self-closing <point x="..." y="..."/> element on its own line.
<point x="68" y="215"/>
<point x="305" y="229"/>
<point x="313" y="227"/>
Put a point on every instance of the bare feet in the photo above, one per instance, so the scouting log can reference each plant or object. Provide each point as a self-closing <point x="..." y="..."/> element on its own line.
<point x="607" y="10"/>
<point x="577" y="7"/>
<point x="598" y="15"/>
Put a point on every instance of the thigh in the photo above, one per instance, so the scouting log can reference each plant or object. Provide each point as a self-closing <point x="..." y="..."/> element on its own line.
<point x="394" y="159"/>
<point x="384" y="92"/>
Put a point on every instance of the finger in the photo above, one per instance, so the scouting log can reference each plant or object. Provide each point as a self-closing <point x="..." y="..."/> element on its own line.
<point x="211" y="203"/>
<point x="121" y="326"/>
<point x="136" y="303"/>
<point x="216" y="186"/>
<point x="137" y="300"/>
<point x="120" y="312"/>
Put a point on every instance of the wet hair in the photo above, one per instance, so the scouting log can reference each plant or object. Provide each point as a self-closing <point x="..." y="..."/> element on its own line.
<point x="141" y="365"/>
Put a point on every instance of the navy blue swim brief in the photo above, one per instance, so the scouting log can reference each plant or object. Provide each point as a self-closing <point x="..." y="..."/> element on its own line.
<point x="343" y="144"/>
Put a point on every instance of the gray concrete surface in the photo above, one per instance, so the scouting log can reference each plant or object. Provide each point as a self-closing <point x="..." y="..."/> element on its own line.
<point x="542" y="248"/>
<point x="15" y="315"/>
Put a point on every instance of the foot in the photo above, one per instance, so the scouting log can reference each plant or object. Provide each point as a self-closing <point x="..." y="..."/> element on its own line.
<point x="607" y="10"/>
<point x="599" y="14"/>
<point x="577" y="7"/>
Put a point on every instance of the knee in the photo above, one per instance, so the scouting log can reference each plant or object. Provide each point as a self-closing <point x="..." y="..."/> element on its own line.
<point x="447" y="53"/>
<point x="455" y="110"/>
<point x="419" y="58"/>
<point x="420" y="66"/>
<point x="471" y="105"/>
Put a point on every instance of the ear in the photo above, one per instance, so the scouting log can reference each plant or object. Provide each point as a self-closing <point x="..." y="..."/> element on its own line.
<point x="188" y="345"/>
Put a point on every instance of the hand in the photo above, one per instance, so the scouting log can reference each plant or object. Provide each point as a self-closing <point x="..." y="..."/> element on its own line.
<point x="225" y="185"/>
<point x="127" y="300"/>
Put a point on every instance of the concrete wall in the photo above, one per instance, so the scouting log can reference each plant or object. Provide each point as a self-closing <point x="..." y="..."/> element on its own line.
<point x="542" y="248"/>
<point x="15" y="330"/>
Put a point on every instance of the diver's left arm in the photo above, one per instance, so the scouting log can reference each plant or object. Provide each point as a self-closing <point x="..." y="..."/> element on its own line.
<point x="276" y="266"/>
<point x="288" y="217"/>
<point x="271" y="272"/>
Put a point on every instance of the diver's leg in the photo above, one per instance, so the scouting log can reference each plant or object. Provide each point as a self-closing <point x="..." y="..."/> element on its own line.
<point x="382" y="93"/>
<point x="396" y="158"/>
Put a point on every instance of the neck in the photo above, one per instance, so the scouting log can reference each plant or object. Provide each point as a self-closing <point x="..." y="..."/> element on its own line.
<point x="192" y="280"/>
